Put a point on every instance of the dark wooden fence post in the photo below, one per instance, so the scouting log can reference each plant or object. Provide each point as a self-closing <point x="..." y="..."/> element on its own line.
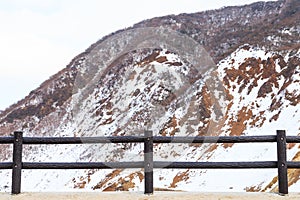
<point x="282" y="162"/>
<point x="17" y="162"/>
<point x="148" y="162"/>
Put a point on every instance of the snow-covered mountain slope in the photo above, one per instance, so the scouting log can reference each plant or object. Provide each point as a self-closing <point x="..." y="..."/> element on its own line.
<point x="262" y="90"/>
<point x="251" y="110"/>
<point x="254" y="90"/>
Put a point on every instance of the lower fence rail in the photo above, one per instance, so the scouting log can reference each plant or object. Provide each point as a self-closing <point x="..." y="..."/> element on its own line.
<point x="148" y="164"/>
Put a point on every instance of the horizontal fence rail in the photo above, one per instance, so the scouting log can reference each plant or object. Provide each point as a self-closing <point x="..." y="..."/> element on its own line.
<point x="156" y="139"/>
<point x="148" y="164"/>
<point x="156" y="164"/>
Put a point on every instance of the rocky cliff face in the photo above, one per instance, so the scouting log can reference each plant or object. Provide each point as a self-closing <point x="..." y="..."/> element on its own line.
<point x="253" y="89"/>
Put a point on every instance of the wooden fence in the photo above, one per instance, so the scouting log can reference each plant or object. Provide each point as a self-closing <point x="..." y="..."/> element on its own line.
<point x="148" y="164"/>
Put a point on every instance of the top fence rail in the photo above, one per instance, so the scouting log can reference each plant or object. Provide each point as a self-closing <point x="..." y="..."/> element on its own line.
<point x="156" y="139"/>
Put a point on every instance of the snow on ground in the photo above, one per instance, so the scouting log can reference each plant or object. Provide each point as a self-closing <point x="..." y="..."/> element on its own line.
<point x="156" y="196"/>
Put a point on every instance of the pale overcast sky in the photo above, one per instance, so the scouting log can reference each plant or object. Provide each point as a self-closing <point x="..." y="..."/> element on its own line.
<point x="40" y="37"/>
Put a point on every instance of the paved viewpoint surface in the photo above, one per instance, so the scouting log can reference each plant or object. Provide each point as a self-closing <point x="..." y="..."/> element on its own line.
<point x="156" y="196"/>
